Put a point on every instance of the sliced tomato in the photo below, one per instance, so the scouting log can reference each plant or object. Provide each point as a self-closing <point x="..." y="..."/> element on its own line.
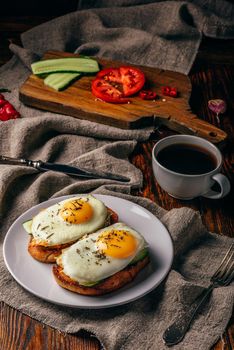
<point x="105" y="91"/>
<point x="133" y="80"/>
<point x="110" y="74"/>
<point x="114" y="84"/>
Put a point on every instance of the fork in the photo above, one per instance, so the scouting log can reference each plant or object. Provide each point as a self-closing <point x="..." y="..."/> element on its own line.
<point x="222" y="277"/>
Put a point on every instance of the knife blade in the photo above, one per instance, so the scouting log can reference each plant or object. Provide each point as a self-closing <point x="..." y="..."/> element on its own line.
<point x="62" y="168"/>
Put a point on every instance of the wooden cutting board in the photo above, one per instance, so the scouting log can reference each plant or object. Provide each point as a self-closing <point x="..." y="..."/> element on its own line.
<point x="78" y="101"/>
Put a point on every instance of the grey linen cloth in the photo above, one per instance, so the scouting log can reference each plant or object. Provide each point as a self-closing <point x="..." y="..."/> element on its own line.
<point x="57" y="138"/>
<point x="164" y="34"/>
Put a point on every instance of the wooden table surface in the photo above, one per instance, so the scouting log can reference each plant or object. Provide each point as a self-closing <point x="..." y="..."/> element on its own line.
<point x="212" y="76"/>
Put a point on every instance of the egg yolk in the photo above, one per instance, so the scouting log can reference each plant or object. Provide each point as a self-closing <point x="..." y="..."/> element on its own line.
<point x="76" y="212"/>
<point x="117" y="244"/>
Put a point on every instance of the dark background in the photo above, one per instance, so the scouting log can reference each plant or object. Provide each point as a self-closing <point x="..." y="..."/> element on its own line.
<point x="37" y="7"/>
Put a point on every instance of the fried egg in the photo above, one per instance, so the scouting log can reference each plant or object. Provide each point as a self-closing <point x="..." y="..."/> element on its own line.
<point x="68" y="220"/>
<point x="101" y="254"/>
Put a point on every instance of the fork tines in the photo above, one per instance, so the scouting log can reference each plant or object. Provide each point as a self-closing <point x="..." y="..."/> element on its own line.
<point x="225" y="272"/>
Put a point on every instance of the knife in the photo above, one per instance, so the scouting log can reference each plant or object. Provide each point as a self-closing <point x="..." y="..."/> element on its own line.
<point x="62" y="168"/>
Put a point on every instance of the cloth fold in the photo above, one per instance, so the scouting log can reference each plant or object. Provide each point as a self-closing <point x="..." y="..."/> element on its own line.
<point x="164" y="34"/>
<point x="135" y="34"/>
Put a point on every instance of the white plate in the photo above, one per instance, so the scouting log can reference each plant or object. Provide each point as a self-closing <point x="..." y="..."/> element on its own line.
<point x="30" y="273"/>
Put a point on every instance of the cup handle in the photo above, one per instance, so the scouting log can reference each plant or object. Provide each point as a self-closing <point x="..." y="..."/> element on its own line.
<point x="224" y="184"/>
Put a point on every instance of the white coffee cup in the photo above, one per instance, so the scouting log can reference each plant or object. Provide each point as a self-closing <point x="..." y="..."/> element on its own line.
<point x="184" y="186"/>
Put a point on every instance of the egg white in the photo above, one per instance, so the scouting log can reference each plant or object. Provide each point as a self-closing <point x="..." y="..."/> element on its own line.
<point x="80" y="261"/>
<point x="48" y="227"/>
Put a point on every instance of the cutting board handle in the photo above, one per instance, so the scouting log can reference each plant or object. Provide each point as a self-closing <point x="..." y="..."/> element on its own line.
<point x="193" y="126"/>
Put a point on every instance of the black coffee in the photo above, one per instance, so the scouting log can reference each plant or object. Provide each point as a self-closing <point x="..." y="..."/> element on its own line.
<point x="186" y="159"/>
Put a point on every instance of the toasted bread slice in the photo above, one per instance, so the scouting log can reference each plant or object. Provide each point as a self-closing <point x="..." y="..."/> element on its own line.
<point x="48" y="254"/>
<point x="108" y="285"/>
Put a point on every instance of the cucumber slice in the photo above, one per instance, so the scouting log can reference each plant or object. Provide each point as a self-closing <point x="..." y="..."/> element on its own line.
<point x="59" y="81"/>
<point x="27" y="225"/>
<point x="140" y="256"/>
<point x="89" y="284"/>
<point x="69" y="64"/>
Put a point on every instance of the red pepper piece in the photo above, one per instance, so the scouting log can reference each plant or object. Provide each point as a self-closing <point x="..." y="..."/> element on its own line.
<point x="3" y="115"/>
<point x="169" y="91"/>
<point x="147" y="95"/>
<point x="7" y="111"/>
<point x="166" y="90"/>
<point x="173" y="92"/>
<point x="2" y="100"/>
